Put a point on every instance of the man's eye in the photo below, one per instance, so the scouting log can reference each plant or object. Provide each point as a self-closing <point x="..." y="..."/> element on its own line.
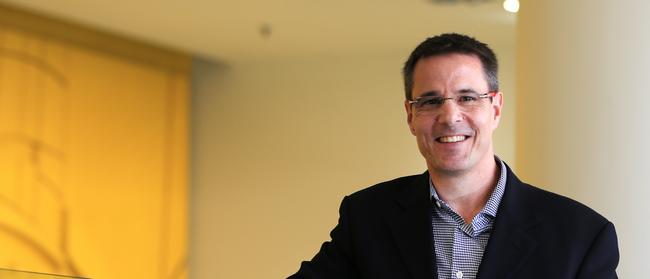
<point x="433" y="101"/>
<point x="467" y="99"/>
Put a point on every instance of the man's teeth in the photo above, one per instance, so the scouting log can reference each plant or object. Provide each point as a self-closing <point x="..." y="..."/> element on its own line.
<point x="452" y="139"/>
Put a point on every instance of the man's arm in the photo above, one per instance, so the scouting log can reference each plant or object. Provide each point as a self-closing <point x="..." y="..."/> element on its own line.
<point x="335" y="258"/>
<point x="602" y="258"/>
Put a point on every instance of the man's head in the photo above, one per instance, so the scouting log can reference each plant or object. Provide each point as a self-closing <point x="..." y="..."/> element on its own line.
<point x="451" y="43"/>
<point x="452" y="105"/>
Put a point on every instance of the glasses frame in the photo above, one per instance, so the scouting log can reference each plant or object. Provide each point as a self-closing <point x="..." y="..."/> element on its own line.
<point x="489" y="94"/>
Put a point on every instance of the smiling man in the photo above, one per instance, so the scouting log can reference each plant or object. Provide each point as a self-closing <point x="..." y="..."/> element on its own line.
<point x="468" y="215"/>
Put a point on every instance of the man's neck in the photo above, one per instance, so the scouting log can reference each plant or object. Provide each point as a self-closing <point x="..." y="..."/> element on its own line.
<point x="466" y="193"/>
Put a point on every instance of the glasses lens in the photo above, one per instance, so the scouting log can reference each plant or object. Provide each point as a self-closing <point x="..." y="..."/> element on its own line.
<point x="466" y="102"/>
<point x="428" y="103"/>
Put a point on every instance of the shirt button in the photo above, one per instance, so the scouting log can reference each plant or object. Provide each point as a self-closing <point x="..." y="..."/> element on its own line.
<point x="459" y="274"/>
<point x="438" y="204"/>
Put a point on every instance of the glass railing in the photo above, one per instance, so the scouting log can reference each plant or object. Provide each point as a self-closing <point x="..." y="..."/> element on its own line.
<point x="16" y="274"/>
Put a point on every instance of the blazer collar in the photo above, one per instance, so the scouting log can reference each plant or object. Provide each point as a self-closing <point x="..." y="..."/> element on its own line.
<point x="411" y="227"/>
<point x="510" y="243"/>
<point x="509" y="246"/>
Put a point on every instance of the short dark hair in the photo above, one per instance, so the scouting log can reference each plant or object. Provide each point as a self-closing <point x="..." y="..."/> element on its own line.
<point x="447" y="44"/>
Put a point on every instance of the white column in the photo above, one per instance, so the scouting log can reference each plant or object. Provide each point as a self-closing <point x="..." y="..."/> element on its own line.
<point x="583" y="111"/>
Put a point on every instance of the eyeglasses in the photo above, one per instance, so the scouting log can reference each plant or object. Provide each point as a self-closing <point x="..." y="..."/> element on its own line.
<point x="465" y="101"/>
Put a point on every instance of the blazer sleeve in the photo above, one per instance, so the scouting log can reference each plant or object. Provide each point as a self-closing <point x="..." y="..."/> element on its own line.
<point x="602" y="258"/>
<point x="335" y="258"/>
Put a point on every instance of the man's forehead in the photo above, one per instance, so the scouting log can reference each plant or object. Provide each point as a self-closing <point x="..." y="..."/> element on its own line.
<point x="458" y="71"/>
<point x="442" y="60"/>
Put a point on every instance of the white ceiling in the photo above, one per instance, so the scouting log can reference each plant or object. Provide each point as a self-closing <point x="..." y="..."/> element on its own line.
<point x="229" y="31"/>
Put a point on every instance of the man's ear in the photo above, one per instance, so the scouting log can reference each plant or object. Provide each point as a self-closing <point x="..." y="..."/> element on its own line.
<point x="497" y="107"/>
<point x="409" y="116"/>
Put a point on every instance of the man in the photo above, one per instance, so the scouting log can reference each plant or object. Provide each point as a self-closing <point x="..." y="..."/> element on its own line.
<point x="468" y="216"/>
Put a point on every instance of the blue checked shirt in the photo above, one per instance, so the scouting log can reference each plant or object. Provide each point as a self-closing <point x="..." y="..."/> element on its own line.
<point x="459" y="247"/>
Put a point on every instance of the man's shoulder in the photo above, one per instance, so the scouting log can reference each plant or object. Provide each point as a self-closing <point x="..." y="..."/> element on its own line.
<point x="398" y="188"/>
<point x="557" y="207"/>
<point x="389" y="187"/>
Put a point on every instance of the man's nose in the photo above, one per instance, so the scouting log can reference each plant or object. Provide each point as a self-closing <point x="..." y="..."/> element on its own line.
<point x="449" y="112"/>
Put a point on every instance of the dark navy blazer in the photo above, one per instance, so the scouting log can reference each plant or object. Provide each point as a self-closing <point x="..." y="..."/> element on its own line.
<point x="385" y="231"/>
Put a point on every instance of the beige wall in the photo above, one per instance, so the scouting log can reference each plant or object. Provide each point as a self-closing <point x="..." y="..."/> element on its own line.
<point x="585" y="111"/>
<point x="276" y="146"/>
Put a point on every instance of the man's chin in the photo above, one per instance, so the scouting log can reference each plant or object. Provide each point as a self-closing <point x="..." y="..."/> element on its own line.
<point x="449" y="167"/>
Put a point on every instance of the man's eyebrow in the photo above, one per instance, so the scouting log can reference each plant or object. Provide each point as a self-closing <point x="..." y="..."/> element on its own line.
<point x="430" y="93"/>
<point x="437" y="93"/>
<point x="467" y="90"/>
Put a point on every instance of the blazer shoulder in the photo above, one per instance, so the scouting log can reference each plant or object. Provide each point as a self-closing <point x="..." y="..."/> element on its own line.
<point x="561" y="208"/>
<point x="389" y="190"/>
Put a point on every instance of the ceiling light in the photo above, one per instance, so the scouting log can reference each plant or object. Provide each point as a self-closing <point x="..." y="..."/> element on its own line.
<point x="511" y="5"/>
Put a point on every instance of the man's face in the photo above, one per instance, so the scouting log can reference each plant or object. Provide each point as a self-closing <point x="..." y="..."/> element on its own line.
<point x="452" y="138"/>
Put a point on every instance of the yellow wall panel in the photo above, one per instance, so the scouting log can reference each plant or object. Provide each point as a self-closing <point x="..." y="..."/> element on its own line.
<point x="93" y="161"/>
<point x="17" y="274"/>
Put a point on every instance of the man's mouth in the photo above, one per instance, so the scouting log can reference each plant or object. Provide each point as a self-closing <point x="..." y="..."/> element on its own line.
<point x="451" y="139"/>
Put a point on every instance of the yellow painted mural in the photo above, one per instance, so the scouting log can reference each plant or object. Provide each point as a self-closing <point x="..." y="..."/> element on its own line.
<point x="93" y="158"/>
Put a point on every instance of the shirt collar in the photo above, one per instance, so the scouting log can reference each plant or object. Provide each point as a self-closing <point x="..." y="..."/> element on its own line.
<point x="493" y="202"/>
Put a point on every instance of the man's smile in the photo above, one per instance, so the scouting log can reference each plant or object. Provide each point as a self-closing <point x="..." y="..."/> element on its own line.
<point x="451" y="139"/>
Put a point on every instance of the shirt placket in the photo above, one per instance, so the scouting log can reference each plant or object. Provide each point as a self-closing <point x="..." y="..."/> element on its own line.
<point x="459" y="267"/>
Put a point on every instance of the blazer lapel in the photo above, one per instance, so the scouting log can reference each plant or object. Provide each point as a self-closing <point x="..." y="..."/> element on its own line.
<point x="510" y="244"/>
<point x="411" y="228"/>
